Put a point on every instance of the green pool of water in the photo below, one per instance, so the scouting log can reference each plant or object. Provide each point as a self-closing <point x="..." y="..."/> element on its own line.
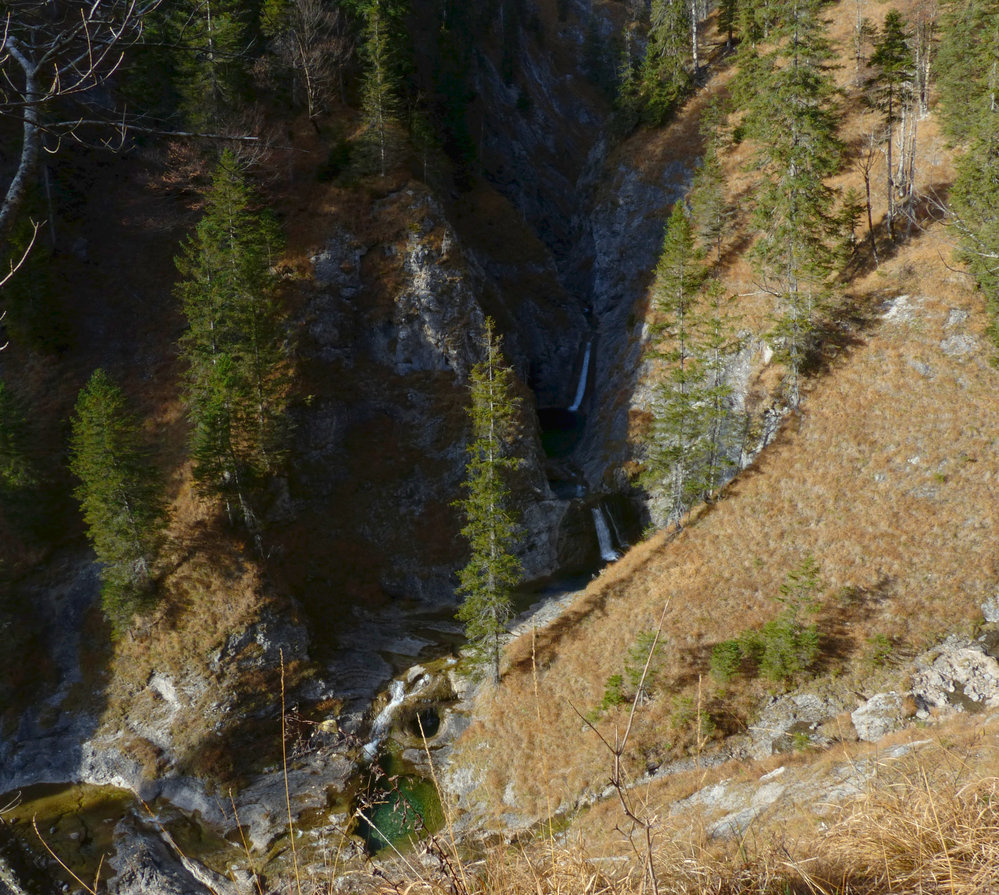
<point x="399" y="808"/>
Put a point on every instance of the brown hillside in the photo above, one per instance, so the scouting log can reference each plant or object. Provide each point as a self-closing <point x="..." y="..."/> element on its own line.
<point x="888" y="477"/>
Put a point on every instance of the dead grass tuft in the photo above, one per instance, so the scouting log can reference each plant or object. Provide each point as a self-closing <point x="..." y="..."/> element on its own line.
<point x="916" y="831"/>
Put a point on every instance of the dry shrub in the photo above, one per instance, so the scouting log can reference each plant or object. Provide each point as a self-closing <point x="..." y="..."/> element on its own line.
<point x="914" y="832"/>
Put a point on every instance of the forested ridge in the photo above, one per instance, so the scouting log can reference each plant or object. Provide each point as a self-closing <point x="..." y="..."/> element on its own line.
<point x="318" y="368"/>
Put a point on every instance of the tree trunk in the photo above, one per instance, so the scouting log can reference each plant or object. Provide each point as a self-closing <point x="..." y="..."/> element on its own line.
<point x="30" y="140"/>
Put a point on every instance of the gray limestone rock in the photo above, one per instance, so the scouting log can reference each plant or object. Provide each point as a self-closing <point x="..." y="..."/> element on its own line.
<point x="144" y="864"/>
<point x="787" y="718"/>
<point x="959" y="674"/>
<point x="958" y="346"/>
<point x="880" y="715"/>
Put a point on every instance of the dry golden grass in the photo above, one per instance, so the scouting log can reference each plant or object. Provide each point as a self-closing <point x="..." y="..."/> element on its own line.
<point x="888" y="478"/>
<point x="927" y="823"/>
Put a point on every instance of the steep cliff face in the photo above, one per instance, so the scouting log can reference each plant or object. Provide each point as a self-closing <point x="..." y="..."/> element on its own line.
<point x="398" y="302"/>
<point x="394" y="324"/>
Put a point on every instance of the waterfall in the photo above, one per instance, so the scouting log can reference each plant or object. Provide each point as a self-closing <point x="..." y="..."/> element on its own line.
<point x="584" y="373"/>
<point x="614" y="529"/>
<point x="607" y="551"/>
<point x="380" y="726"/>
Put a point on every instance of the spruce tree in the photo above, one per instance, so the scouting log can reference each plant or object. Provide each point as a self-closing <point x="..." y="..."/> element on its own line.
<point x="16" y="473"/>
<point x="710" y="212"/>
<point x="670" y="469"/>
<point x="209" y="41"/>
<point x="728" y="14"/>
<point x="717" y="345"/>
<point x="120" y="496"/>
<point x="492" y="571"/>
<point x="969" y="87"/>
<point x="892" y="90"/>
<point x="381" y="101"/>
<point x="627" y="99"/>
<point x="235" y="347"/>
<point x="666" y="69"/>
<point x="792" y="119"/>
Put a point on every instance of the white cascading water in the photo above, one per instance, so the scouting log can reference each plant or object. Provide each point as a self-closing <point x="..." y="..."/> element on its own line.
<point x="380" y="726"/>
<point x="615" y="530"/>
<point x="607" y="551"/>
<point x="583" y="375"/>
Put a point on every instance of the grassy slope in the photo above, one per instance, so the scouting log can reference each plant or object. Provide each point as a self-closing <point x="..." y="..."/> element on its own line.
<point x="887" y="477"/>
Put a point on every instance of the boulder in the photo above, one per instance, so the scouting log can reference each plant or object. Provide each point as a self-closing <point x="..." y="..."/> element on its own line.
<point x="880" y="715"/>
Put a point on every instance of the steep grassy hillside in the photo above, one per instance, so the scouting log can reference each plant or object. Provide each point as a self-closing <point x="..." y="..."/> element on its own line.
<point x="886" y="477"/>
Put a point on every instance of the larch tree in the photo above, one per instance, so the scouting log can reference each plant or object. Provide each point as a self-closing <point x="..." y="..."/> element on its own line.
<point x="312" y="39"/>
<point x="486" y="582"/>
<point x="235" y="347"/>
<point x="120" y="496"/>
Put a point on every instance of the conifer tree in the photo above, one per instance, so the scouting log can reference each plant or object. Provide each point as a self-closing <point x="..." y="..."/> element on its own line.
<point x="717" y="345"/>
<point x="969" y="87"/>
<point x="487" y="580"/>
<point x="119" y="494"/>
<point x="791" y="116"/>
<point x="665" y="72"/>
<point x="892" y="90"/>
<point x="670" y="471"/>
<point x="234" y="346"/>
<point x="627" y="99"/>
<point x="381" y="88"/>
<point x="209" y="40"/>
<point x="709" y="210"/>
<point x="728" y="14"/>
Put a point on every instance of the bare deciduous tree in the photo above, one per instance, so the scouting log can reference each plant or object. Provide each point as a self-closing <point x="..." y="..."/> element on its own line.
<point x="316" y="44"/>
<point x="55" y="57"/>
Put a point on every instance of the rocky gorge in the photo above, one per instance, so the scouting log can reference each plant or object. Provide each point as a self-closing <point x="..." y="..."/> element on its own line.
<point x="277" y="713"/>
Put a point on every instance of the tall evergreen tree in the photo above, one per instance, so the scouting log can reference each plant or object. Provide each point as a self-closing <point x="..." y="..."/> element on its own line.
<point x="892" y="89"/>
<point x="235" y="346"/>
<point x="16" y="472"/>
<point x="670" y="469"/>
<point x="969" y="87"/>
<point x="710" y="211"/>
<point x="666" y="69"/>
<point x="120" y="496"/>
<point x="486" y="582"/>
<point x="717" y="345"/>
<point x="210" y="42"/>
<point x="381" y="101"/>
<point x="628" y="97"/>
<point x="792" y="119"/>
<point x="728" y="15"/>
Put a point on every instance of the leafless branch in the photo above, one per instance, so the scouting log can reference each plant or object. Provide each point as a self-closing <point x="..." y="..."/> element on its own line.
<point x="645" y="822"/>
<point x="14" y="269"/>
<point x="52" y="53"/>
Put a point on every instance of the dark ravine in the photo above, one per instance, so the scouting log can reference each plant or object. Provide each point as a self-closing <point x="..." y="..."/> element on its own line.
<point x="566" y="312"/>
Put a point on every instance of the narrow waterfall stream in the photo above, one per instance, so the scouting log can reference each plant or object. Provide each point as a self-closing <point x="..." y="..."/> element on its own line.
<point x="383" y="722"/>
<point x="583" y="376"/>
<point x="607" y="551"/>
